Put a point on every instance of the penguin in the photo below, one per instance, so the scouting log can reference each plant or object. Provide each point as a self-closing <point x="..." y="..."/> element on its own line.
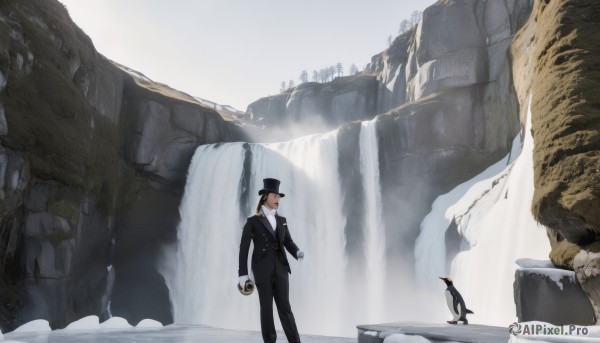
<point x="456" y="303"/>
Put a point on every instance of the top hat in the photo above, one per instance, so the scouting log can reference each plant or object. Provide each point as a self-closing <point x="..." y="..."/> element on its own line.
<point x="271" y="186"/>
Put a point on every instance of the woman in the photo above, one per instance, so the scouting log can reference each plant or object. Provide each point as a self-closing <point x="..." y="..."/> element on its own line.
<point x="270" y="235"/>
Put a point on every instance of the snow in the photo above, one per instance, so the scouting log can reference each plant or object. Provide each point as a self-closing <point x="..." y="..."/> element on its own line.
<point x="532" y="263"/>
<point x="149" y="323"/>
<point x="85" y="323"/>
<point x="582" y="259"/>
<point x="546" y="268"/>
<point x="136" y="74"/>
<point x="400" y="338"/>
<point x="167" y="334"/>
<point x="115" y="323"/>
<point x="554" y="274"/>
<point x="39" y="325"/>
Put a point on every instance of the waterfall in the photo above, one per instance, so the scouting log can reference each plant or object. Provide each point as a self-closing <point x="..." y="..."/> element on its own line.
<point x="336" y="287"/>
<point x="374" y="231"/>
<point x="203" y="282"/>
<point x="493" y="217"/>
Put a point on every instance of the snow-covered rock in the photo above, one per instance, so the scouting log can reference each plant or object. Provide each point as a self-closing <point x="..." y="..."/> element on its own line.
<point x="85" y="323"/>
<point x="115" y="323"/>
<point x="149" y="323"/>
<point x="39" y="325"/>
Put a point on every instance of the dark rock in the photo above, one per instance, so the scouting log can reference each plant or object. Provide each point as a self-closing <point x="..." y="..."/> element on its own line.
<point x="551" y="295"/>
<point x="314" y="106"/>
<point x="353" y="192"/>
<point x="81" y="138"/>
<point x="3" y="125"/>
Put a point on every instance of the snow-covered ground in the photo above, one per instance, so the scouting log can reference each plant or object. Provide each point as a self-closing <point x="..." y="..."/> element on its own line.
<point x="118" y="330"/>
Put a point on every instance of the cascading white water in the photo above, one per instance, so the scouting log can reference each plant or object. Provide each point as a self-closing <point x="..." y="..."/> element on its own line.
<point x="329" y="294"/>
<point x="203" y="287"/>
<point x="374" y="230"/>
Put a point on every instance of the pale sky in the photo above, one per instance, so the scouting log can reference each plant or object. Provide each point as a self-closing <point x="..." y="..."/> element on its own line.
<point x="235" y="52"/>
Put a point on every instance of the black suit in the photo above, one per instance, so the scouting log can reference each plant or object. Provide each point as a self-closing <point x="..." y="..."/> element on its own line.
<point x="271" y="269"/>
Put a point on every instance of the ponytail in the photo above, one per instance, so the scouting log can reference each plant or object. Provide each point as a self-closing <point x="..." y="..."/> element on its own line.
<point x="261" y="202"/>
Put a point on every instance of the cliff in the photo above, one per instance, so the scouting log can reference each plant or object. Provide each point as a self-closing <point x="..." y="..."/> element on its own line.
<point x="458" y="109"/>
<point x="93" y="155"/>
<point x="566" y="128"/>
<point x="93" y="159"/>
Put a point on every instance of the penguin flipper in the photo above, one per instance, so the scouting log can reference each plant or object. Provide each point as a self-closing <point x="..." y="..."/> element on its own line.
<point x="469" y="311"/>
<point x="455" y="302"/>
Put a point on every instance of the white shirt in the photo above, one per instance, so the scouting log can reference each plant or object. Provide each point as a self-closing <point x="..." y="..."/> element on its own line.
<point x="270" y="214"/>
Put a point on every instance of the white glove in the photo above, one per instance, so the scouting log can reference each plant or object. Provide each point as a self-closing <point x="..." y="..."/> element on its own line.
<point x="243" y="280"/>
<point x="300" y="255"/>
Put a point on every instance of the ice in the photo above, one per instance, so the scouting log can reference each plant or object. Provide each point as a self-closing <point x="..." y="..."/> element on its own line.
<point x="400" y="338"/>
<point x="39" y="325"/>
<point x="116" y="323"/>
<point x="532" y="263"/>
<point x="85" y="323"/>
<point x="149" y="323"/>
<point x="167" y="334"/>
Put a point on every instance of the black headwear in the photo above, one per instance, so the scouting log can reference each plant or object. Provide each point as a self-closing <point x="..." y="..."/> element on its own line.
<point x="271" y="186"/>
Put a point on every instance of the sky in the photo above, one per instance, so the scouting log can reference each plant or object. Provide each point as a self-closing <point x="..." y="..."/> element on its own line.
<point x="236" y="52"/>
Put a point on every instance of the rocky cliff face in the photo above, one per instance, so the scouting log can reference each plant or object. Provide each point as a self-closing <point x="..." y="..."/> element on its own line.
<point x="446" y="108"/>
<point x="92" y="166"/>
<point x="93" y="155"/>
<point x="458" y="108"/>
<point x="566" y="128"/>
<point x="313" y="107"/>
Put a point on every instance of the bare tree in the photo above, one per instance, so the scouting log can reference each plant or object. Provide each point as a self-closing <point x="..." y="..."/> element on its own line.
<point x="331" y="72"/>
<point x="315" y="76"/>
<point x="340" y="69"/>
<point x="304" y="76"/>
<point x="404" y="26"/>
<point x="323" y="75"/>
<point x="282" y="86"/>
<point x="291" y="84"/>
<point x="353" y="69"/>
<point x="415" y="16"/>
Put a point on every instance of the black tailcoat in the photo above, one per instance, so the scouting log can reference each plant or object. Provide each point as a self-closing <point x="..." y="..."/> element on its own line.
<point x="266" y="246"/>
<point x="271" y="268"/>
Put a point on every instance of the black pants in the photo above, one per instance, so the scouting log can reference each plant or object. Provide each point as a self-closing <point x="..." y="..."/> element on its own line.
<point x="277" y="288"/>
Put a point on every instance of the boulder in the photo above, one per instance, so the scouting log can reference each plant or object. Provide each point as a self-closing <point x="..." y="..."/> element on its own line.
<point x="587" y="268"/>
<point x="566" y="121"/>
<point x="548" y="294"/>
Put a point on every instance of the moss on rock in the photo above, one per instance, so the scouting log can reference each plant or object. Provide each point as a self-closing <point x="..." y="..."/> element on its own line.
<point x="566" y="118"/>
<point x="563" y="253"/>
<point x="47" y="113"/>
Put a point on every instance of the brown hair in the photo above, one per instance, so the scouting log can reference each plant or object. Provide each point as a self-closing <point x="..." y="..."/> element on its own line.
<point x="261" y="202"/>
